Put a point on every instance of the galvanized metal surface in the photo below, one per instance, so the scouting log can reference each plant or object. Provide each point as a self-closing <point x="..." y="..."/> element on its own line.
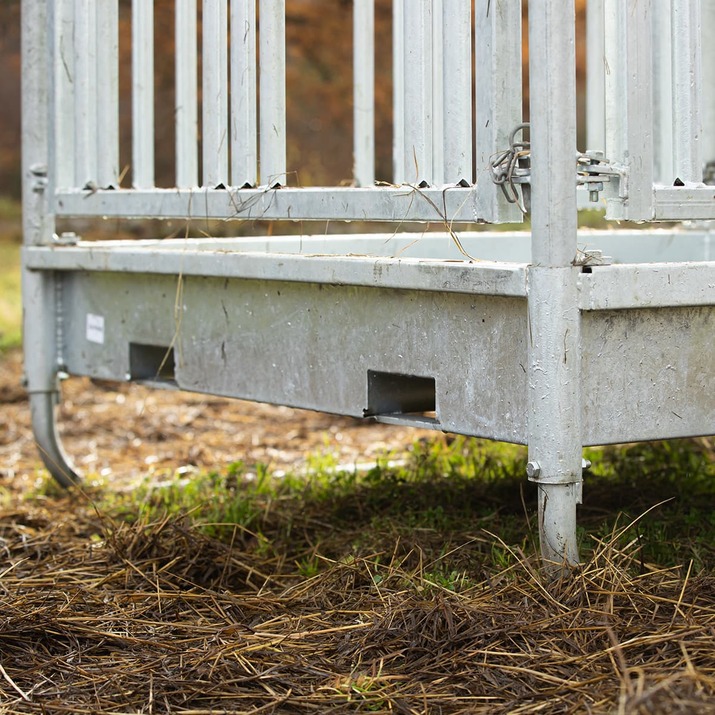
<point x="553" y="338"/>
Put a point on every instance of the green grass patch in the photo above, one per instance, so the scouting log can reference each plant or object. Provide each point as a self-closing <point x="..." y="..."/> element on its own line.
<point x="10" y="210"/>
<point x="10" y="297"/>
<point x="454" y="510"/>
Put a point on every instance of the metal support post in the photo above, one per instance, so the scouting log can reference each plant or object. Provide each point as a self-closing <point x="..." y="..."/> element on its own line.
<point x="554" y="425"/>
<point x="38" y="287"/>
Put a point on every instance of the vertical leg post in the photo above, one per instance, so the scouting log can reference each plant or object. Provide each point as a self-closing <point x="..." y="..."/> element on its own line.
<point x="39" y="288"/>
<point x="554" y="319"/>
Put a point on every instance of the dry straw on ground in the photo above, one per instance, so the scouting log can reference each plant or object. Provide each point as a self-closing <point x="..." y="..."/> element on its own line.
<point x="104" y="617"/>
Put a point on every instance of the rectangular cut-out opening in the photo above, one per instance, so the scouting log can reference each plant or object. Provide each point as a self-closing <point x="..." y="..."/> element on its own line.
<point x="151" y="363"/>
<point x="394" y="397"/>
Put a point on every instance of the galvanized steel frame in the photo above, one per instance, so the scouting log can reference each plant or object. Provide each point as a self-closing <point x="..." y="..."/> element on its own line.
<point x="534" y="323"/>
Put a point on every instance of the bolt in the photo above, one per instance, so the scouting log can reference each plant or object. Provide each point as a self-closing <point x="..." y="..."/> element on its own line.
<point x="66" y="238"/>
<point x="533" y="470"/>
<point x="586" y="464"/>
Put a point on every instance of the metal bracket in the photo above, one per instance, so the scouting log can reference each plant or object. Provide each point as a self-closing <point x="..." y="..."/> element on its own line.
<point x="512" y="167"/>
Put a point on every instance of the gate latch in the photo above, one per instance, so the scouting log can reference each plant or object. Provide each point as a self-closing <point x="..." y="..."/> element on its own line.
<point x="512" y="168"/>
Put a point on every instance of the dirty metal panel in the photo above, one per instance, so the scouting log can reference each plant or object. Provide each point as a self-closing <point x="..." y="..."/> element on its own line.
<point x="314" y="346"/>
<point x="648" y="374"/>
<point x="647" y="286"/>
<point x="104" y="314"/>
<point x="306" y="345"/>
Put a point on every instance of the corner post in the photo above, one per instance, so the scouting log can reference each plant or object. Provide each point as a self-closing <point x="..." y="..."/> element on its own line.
<point x="39" y="288"/>
<point x="554" y="343"/>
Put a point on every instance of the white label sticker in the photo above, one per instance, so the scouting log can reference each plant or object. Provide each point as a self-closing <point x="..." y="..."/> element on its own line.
<point x="95" y="328"/>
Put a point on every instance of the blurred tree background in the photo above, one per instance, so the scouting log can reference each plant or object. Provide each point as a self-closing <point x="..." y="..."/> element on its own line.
<point x="319" y="87"/>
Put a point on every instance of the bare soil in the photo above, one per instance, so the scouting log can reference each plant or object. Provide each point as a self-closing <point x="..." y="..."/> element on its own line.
<point x="127" y="432"/>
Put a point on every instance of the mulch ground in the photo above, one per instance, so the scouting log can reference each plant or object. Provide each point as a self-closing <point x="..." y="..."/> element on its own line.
<point x="101" y="615"/>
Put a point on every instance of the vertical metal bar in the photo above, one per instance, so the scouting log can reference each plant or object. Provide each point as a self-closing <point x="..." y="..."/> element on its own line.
<point x="687" y="87"/>
<point x="708" y="88"/>
<point x="364" y="91"/>
<point x="186" y="112"/>
<point x="244" y="119"/>
<point x="456" y="97"/>
<point x="499" y="97"/>
<point x="37" y="214"/>
<point x="272" y="87"/>
<point x="85" y="114"/>
<point x="595" y="77"/>
<point x="398" y="91"/>
<point x="143" y="94"/>
<point x="662" y="95"/>
<point x="438" y="92"/>
<point x="639" y="88"/>
<point x="418" y="91"/>
<point x="62" y="99"/>
<point x="629" y="101"/>
<point x="554" y="321"/>
<point x="107" y="43"/>
<point x="214" y="98"/>
<point x="616" y="110"/>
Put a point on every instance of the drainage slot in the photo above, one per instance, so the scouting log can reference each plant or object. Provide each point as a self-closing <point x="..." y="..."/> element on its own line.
<point x="401" y="399"/>
<point x="152" y="363"/>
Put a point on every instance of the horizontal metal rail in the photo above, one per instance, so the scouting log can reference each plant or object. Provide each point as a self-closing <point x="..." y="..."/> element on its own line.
<point x="403" y="203"/>
<point x="396" y="204"/>
<point x="500" y="279"/>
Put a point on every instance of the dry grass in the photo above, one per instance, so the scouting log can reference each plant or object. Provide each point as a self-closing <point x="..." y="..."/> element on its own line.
<point x="110" y="617"/>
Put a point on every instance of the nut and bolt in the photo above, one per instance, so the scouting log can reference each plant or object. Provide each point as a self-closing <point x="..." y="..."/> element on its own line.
<point x="533" y="468"/>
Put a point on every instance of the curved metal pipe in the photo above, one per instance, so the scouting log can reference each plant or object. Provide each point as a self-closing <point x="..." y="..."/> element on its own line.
<point x="44" y="426"/>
